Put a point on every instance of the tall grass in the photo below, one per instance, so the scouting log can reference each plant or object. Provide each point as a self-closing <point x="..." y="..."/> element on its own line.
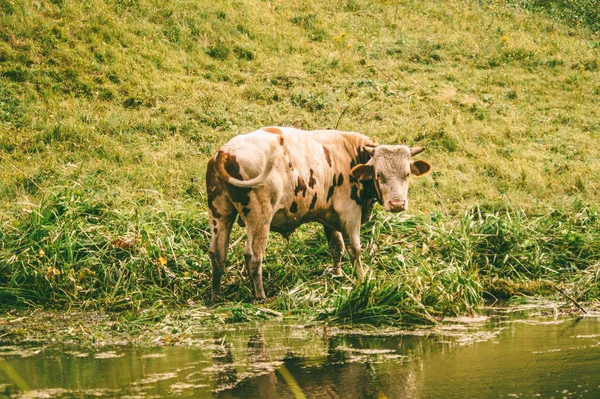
<point x="74" y="248"/>
<point x="77" y="250"/>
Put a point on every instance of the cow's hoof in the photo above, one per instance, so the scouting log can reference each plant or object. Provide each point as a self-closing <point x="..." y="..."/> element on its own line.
<point x="330" y="271"/>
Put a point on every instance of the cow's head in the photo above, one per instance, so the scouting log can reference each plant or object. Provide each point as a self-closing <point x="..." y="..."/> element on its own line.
<point x="389" y="168"/>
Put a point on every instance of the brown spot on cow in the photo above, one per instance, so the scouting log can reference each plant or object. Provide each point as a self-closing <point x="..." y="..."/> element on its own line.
<point x="212" y="183"/>
<point x="369" y="192"/>
<point x="294" y="207"/>
<point x="327" y="155"/>
<point x="301" y="187"/>
<point x="276" y="131"/>
<point x="340" y="179"/>
<point x="363" y="156"/>
<point x="311" y="180"/>
<point x="240" y="195"/>
<point x="366" y="194"/>
<point x="313" y="202"/>
<point x="273" y="130"/>
<point x="330" y="192"/>
<point x="354" y="194"/>
<point x="232" y="166"/>
<point x="237" y="194"/>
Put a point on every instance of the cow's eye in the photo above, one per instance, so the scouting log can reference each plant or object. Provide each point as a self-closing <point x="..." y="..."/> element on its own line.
<point x="380" y="178"/>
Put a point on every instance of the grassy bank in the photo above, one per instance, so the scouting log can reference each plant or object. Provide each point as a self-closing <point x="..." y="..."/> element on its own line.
<point x="109" y="112"/>
<point x="76" y="250"/>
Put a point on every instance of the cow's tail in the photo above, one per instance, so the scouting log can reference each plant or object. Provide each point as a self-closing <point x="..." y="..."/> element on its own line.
<point x="221" y="160"/>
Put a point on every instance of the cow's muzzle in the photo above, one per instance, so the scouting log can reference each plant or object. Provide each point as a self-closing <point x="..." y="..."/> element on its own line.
<point x="396" y="205"/>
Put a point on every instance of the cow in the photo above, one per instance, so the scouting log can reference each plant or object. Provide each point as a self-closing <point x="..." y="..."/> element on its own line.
<point x="277" y="178"/>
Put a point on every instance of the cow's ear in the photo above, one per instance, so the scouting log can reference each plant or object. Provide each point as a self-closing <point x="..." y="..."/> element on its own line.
<point x="363" y="172"/>
<point x="419" y="168"/>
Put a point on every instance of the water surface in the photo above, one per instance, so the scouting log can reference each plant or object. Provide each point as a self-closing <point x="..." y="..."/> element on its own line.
<point x="507" y="354"/>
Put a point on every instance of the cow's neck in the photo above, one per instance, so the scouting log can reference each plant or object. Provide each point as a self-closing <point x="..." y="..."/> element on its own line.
<point x="369" y="194"/>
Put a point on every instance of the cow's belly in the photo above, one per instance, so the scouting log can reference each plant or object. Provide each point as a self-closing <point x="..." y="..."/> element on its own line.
<point x="285" y="222"/>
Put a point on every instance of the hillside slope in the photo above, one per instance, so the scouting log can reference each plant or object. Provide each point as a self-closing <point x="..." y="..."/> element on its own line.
<point x="120" y="96"/>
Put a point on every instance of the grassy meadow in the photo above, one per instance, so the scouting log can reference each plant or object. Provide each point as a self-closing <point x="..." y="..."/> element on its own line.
<point x="110" y="110"/>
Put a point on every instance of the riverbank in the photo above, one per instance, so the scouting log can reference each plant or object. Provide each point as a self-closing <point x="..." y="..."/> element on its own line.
<point x="180" y="326"/>
<point x="187" y="358"/>
<point x="77" y="253"/>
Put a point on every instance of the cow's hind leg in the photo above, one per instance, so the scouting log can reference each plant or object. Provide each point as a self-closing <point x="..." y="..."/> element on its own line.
<point x="336" y="248"/>
<point x="218" y="249"/>
<point x="258" y="237"/>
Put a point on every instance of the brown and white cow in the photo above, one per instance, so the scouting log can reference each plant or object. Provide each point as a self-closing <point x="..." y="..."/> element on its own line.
<point x="278" y="178"/>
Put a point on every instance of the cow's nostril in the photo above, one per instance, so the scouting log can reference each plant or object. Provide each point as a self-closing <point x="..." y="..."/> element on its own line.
<point x="397" y="205"/>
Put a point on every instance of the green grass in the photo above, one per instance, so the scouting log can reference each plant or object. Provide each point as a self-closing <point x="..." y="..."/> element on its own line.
<point x="75" y="250"/>
<point x="576" y="13"/>
<point x="109" y="111"/>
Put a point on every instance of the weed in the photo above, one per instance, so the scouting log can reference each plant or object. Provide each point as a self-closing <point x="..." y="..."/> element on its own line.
<point x="243" y="53"/>
<point x="218" y="51"/>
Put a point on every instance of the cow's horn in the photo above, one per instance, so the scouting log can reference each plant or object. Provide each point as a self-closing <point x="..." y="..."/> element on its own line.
<point x="369" y="150"/>
<point x="416" y="150"/>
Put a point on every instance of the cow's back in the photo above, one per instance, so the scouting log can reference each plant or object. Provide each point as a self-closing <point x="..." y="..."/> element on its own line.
<point x="310" y="172"/>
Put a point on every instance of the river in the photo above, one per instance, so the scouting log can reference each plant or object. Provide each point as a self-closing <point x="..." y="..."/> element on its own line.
<point x="509" y="352"/>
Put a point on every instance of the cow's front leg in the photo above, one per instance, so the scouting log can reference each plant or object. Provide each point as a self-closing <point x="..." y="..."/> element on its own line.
<point x="351" y="234"/>
<point x="258" y="237"/>
<point x="336" y="248"/>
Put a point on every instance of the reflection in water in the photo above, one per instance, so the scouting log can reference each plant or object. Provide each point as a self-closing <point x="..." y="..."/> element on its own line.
<point x="226" y="375"/>
<point x="500" y="356"/>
